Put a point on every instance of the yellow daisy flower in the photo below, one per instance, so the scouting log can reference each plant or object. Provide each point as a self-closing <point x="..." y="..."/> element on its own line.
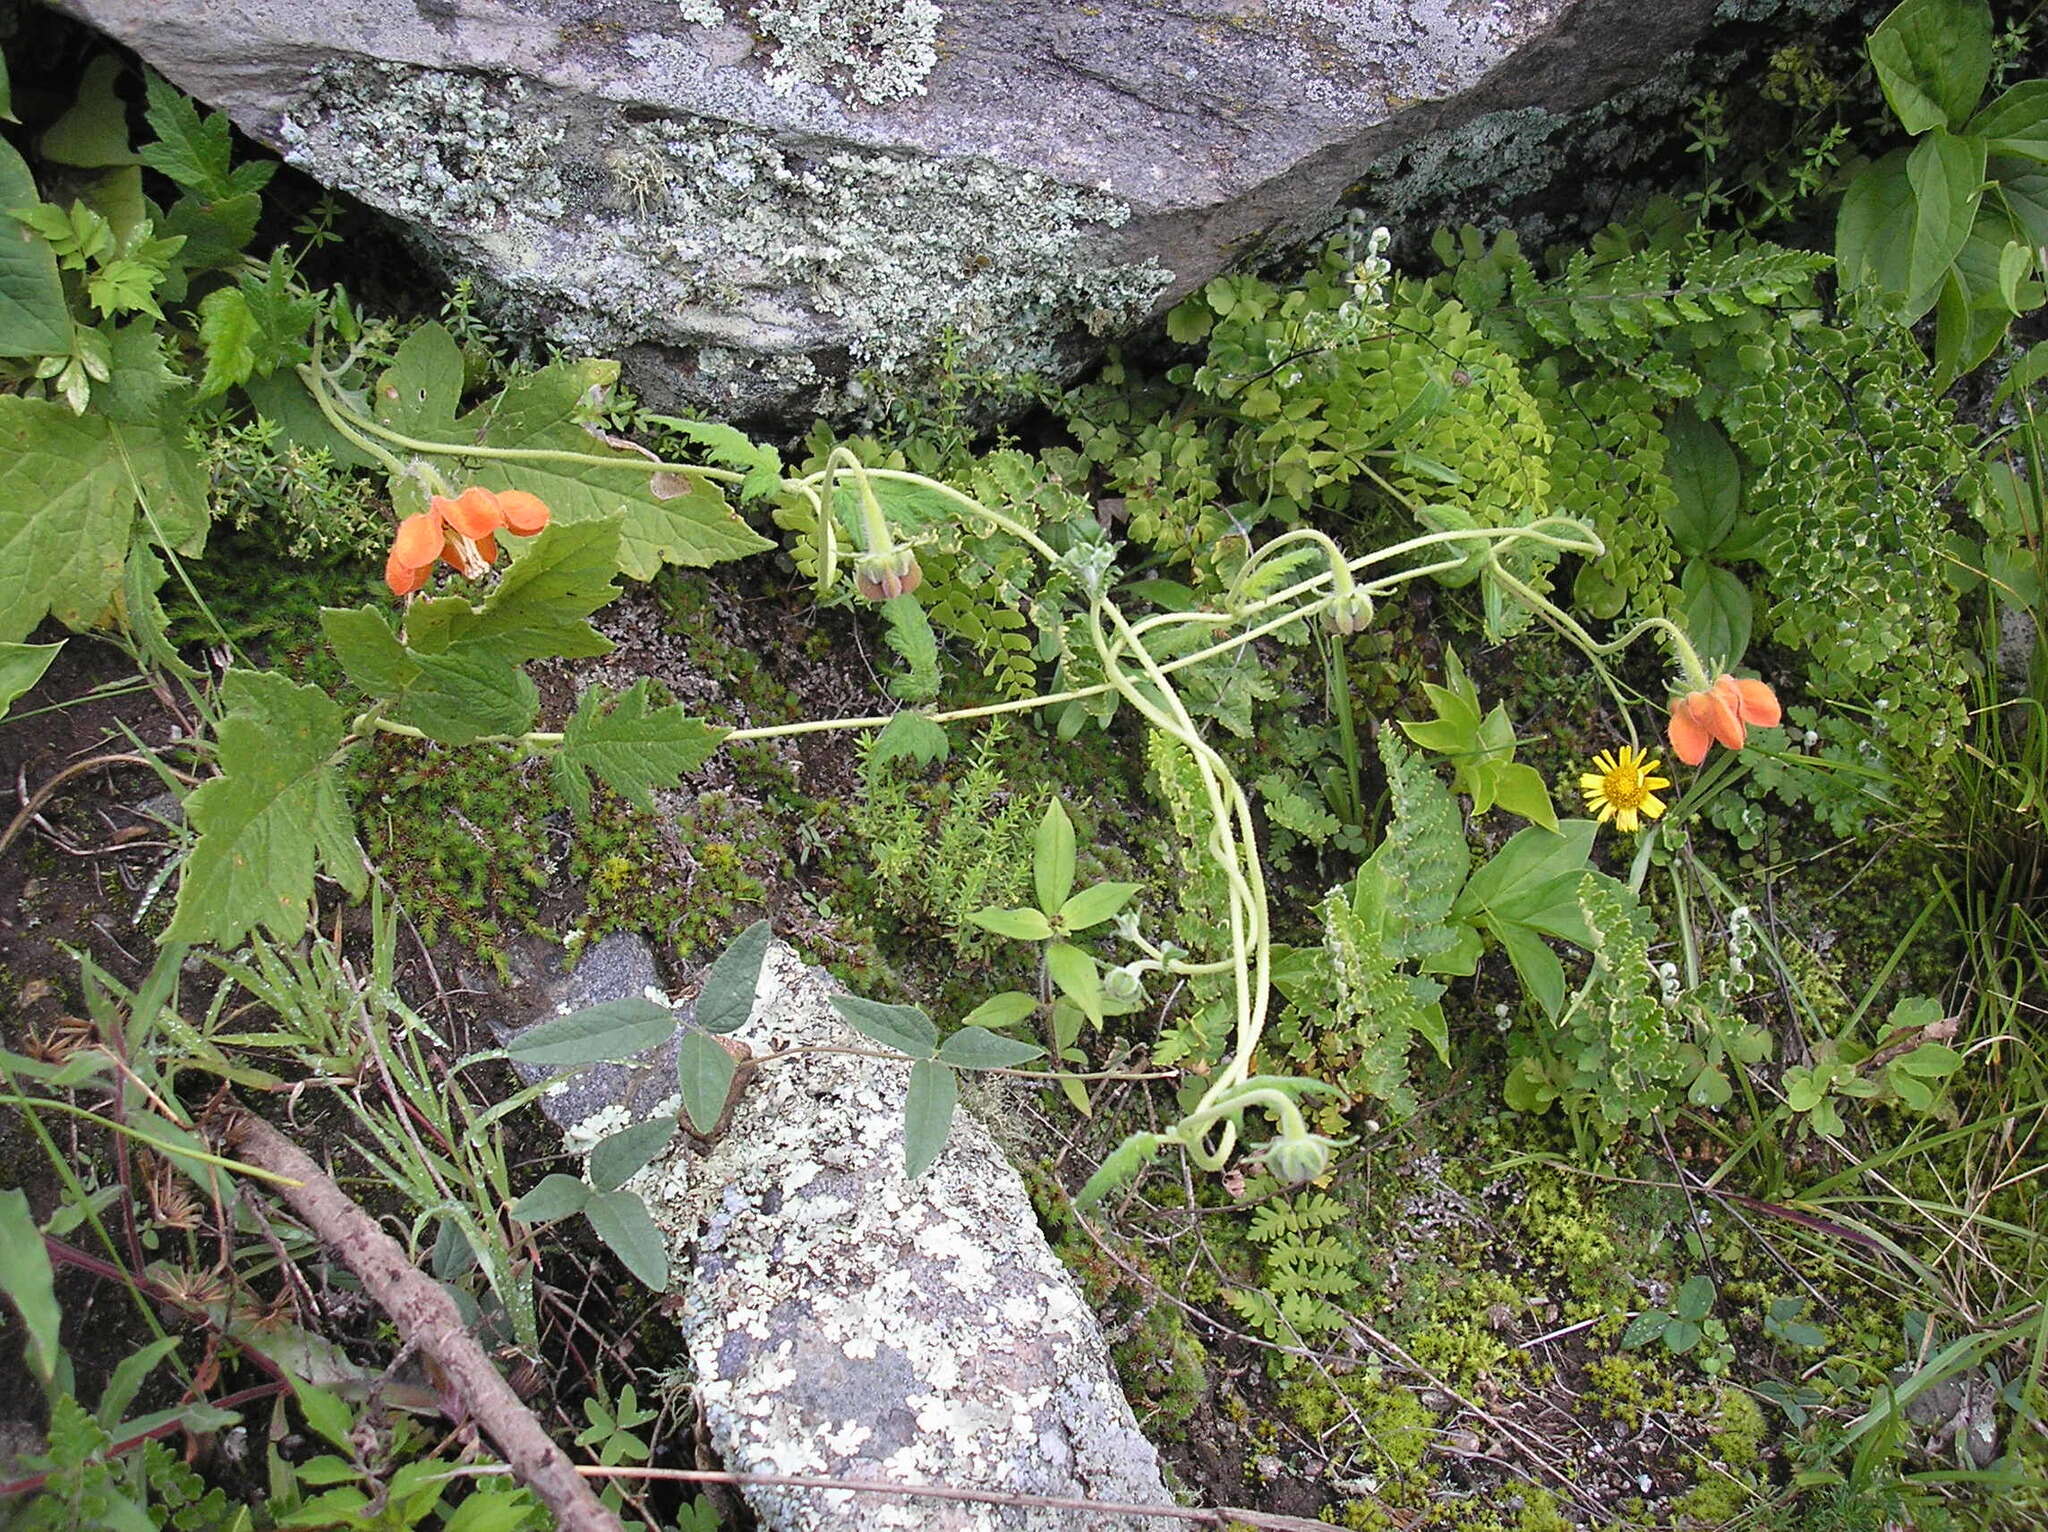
<point x="1621" y="787"/>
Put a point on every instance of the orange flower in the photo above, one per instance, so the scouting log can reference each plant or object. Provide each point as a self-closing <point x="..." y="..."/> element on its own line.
<point x="1723" y="712"/>
<point x="461" y="532"/>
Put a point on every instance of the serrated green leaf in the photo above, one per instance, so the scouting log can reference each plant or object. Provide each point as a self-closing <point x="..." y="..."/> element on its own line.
<point x="726" y="998"/>
<point x="26" y="1278"/>
<point x="909" y="736"/>
<point x="611" y="1032"/>
<point x="618" y="1157"/>
<point x="458" y="697"/>
<point x="227" y="334"/>
<point x="556" y="1197"/>
<point x="368" y="650"/>
<point x="1023" y="925"/>
<point x="538" y="609"/>
<point x="731" y="448"/>
<point x="194" y="150"/>
<point x="21" y="666"/>
<point x="1004" y="1010"/>
<point x="621" y="1220"/>
<point x="902" y="1027"/>
<point x="215" y="231"/>
<point x="629" y="745"/>
<point x="667" y="519"/>
<point x="327" y="1413"/>
<point x="275" y="810"/>
<point x="927" y="1115"/>
<point x="974" y="1047"/>
<point x="143" y="383"/>
<point x="66" y="501"/>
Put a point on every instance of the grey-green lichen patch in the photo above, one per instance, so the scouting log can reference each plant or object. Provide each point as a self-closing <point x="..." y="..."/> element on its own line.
<point x="684" y="231"/>
<point x="874" y="50"/>
<point x="843" y="1320"/>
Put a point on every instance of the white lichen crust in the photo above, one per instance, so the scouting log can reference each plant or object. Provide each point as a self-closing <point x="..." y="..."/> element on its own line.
<point x="685" y="232"/>
<point x="844" y="1321"/>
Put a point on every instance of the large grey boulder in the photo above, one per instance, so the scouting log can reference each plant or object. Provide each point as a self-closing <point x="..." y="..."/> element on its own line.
<point x="746" y="200"/>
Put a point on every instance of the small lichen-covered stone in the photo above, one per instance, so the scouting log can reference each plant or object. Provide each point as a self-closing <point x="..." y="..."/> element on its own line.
<point x="843" y="1321"/>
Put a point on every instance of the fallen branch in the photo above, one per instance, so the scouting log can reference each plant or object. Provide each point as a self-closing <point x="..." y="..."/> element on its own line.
<point x="425" y="1318"/>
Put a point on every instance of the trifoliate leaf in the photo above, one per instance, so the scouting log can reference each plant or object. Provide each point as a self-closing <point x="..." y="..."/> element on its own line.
<point x="275" y="810"/>
<point x="704" y="1075"/>
<point x="630" y="746"/>
<point x="614" y="1030"/>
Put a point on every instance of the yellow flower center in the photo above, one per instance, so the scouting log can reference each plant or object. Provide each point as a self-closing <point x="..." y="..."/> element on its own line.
<point x="1623" y="787"/>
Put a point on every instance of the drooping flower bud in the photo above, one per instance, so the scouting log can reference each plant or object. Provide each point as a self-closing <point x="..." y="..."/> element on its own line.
<point x="1122" y="986"/>
<point x="885" y="576"/>
<point x="1297" y="1159"/>
<point x="1349" y="612"/>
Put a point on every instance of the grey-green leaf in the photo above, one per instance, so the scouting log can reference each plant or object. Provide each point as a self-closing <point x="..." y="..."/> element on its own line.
<point x="902" y="1027"/>
<point x="704" y="1072"/>
<point x="26" y="1279"/>
<point x="727" y="998"/>
<point x="979" y="1048"/>
<point x="620" y="1156"/>
<point x="622" y="1222"/>
<point x="557" y="1196"/>
<point x="618" y="1029"/>
<point x="927" y="1114"/>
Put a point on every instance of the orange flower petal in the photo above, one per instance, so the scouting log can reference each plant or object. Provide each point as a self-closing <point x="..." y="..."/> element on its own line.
<point x="419" y="539"/>
<point x="1757" y="703"/>
<point x="524" y="514"/>
<point x="1721" y="712"/>
<point x="404" y="578"/>
<point x="487" y="548"/>
<point x="1689" y="738"/>
<point x="474" y="513"/>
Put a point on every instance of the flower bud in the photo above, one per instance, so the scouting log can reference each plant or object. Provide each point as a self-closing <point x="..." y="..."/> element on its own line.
<point x="1292" y="1161"/>
<point x="1349" y="612"/>
<point x="885" y="576"/>
<point x="1122" y="986"/>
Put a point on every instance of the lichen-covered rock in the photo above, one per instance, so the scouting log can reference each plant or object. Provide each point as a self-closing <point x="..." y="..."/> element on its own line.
<point x="746" y="199"/>
<point x="845" y="1322"/>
